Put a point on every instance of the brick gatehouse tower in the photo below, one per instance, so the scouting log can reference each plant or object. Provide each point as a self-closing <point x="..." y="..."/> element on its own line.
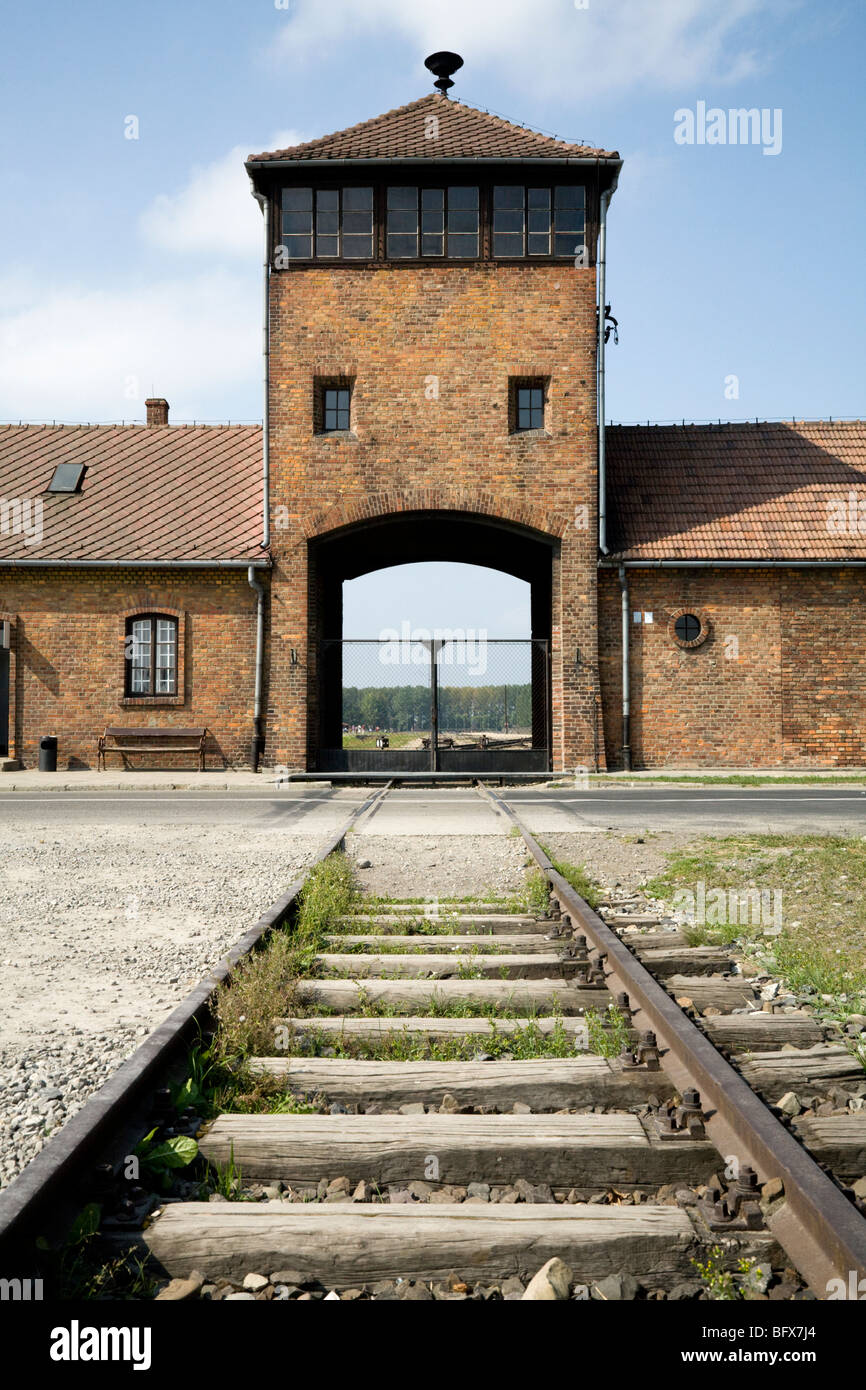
<point x="432" y="331"/>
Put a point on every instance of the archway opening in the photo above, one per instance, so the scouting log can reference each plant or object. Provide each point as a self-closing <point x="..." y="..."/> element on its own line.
<point x="431" y="646"/>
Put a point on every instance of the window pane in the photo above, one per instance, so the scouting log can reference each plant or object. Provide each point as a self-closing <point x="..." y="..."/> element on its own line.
<point x="298" y="247"/>
<point x="538" y="197"/>
<point x="433" y="244"/>
<point x="462" y="221"/>
<point x="508" y="222"/>
<point x="297" y="199"/>
<point x="507" y="245"/>
<point x="569" y="223"/>
<point x="327" y="246"/>
<point x="297" y="222"/>
<point x="328" y="223"/>
<point x="401" y="246"/>
<point x="357" y="222"/>
<point x="403" y="221"/>
<point x="358" y="248"/>
<point x="141" y="656"/>
<point x="432" y="199"/>
<point x="571" y="244"/>
<point x="402" y="197"/>
<point x="569" y="195"/>
<point x="459" y="197"/>
<point x="358" y="200"/>
<point x="539" y="221"/>
<point x="508" y="196"/>
<point x="463" y="246"/>
<point x="539" y="245"/>
<point x="433" y="222"/>
<point x="327" y="200"/>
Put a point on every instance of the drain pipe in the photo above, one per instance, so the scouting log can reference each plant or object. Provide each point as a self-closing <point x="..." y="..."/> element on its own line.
<point x="257" y="747"/>
<point x="265" y="204"/>
<point x="626" y="701"/>
<point x="602" y="290"/>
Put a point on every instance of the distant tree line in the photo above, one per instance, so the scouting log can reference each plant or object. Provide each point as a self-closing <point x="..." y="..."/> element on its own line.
<point x="406" y="707"/>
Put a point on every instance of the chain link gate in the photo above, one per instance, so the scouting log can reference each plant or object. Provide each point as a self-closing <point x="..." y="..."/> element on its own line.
<point x="439" y="703"/>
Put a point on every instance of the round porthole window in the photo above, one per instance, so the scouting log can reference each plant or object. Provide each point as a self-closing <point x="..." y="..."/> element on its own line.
<point x="689" y="627"/>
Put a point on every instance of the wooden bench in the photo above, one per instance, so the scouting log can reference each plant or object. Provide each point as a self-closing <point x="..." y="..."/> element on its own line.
<point x="193" y="742"/>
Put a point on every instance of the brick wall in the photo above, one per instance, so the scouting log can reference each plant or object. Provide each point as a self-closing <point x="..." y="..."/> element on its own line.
<point x="406" y="333"/>
<point x="67" y="668"/>
<point x="779" y="681"/>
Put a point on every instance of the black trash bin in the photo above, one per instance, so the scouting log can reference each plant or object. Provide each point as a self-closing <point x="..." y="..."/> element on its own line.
<point x="48" y="753"/>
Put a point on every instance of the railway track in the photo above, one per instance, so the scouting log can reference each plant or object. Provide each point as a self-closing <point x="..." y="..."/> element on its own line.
<point x="449" y="1134"/>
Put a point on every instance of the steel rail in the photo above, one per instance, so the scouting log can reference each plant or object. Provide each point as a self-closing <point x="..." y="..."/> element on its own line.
<point x="48" y="1189"/>
<point x="821" y="1230"/>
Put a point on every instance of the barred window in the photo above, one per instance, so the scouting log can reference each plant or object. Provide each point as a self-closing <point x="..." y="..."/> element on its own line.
<point x="151" y="655"/>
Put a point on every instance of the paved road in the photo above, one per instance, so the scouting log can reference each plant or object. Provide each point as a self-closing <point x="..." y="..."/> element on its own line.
<point x="316" y="810"/>
<point x="819" y="810"/>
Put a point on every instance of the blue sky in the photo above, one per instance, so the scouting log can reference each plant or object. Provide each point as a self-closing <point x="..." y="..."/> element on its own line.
<point x="133" y="265"/>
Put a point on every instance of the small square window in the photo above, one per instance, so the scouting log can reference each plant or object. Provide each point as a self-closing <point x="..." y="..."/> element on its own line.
<point x="332" y="406"/>
<point x="527" y="405"/>
<point x="336" y="409"/>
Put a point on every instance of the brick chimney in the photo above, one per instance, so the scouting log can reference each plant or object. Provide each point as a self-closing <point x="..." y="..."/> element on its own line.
<point x="157" y="411"/>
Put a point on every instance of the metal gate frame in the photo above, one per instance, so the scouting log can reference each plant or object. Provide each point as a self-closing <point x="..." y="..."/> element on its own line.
<point x="491" y="760"/>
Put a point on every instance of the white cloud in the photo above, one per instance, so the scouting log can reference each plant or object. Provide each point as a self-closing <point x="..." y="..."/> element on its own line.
<point x="551" y="47"/>
<point x="76" y="353"/>
<point x="215" y="211"/>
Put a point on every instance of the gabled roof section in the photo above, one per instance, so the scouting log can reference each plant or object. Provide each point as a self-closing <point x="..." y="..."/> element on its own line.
<point x="765" y="491"/>
<point x="464" y="133"/>
<point x="177" y="492"/>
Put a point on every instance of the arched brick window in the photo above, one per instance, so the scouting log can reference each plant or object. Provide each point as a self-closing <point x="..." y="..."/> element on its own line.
<point x="151" y="653"/>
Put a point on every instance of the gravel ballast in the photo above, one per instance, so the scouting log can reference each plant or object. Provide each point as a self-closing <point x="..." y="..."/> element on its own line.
<point x="103" y="931"/>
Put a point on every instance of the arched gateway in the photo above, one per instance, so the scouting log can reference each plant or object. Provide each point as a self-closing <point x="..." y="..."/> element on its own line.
<point x="453" y="701"/>
<point x="432" y="369"/>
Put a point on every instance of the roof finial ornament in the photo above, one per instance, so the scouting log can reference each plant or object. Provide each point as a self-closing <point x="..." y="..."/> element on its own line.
<point x="443" y="64"/>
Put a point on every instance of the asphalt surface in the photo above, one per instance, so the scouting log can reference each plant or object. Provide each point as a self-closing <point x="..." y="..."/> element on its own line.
<point x="319" y="809"/>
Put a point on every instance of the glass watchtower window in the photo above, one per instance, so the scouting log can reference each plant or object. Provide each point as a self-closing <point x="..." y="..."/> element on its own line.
<point x="538" y="221"/>
<point x="432" y="222"/>
<point x="337" y="409"/>
<point x="327" y="223"/>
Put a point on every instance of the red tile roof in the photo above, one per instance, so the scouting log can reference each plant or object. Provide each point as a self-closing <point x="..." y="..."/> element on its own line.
<point x="464" y="133"/>
<point x="737" y="492"/>
<point x="167" y="493"/>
